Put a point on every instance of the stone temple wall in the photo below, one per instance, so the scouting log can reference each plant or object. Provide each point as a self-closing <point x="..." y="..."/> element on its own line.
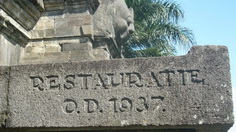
<point x="9" y="51"/>
<point x="46" y="31"/>
<point x="64" y="32"/>
<point x="16" y="19"/>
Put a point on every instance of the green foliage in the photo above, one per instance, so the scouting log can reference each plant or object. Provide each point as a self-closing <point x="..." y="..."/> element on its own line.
<point x="157" y="29"/>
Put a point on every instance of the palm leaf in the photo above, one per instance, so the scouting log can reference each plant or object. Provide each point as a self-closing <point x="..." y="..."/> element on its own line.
<point x="157" y="29"/>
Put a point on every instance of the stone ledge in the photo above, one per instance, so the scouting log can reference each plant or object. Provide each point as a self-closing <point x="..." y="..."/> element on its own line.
<point x="185" y="92"/>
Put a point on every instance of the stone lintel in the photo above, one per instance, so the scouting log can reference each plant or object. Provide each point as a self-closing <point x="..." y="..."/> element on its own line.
<point x="191" y="92"/>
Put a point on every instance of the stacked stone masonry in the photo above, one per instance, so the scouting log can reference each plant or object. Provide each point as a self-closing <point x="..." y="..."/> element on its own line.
<point x="36" y="28"/>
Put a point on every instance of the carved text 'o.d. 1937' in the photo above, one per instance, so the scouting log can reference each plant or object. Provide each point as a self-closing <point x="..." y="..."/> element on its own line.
<point x="125" y="104"/>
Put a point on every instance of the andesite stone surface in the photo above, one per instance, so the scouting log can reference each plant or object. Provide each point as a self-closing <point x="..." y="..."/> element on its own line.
<point x="4" y="77"/>
<point x="191" y="92"/>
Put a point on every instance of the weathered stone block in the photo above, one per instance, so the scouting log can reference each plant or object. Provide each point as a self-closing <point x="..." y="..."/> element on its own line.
<point x="87" y="30"/>
<point x="9" y="52"/>
<point x="54" y="4"/>
<point x="70" y="26"/>
<point x="29" y="8"/>
<point x="81" y="55"/>
<point x="63" y="28"/>
<point x="40" y="5"/>
<point x="31" y="49"/>
<point x="77" y="46"/>
<point x="49" y="33"/>
<point x="191" y="91"/>
<point x="4" y="81"/>
<point x="56" y="57"/>
<point x="31" y="58"/>
<point x="2" y="2"/>
<point x="88" y="20"/>
<point x="23" y="11"/>
<point x="52" y="48"/>
<point x="37" y="34"/>
<point x="77" y="31"/>
<point x="101" y="54"/>
<point x="43" y="24"/>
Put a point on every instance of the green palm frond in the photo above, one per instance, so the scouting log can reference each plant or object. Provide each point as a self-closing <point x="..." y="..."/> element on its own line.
<point x="157" y="29"/>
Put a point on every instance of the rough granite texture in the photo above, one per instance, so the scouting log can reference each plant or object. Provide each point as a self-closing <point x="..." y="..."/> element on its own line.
<point x="4" y="76"/>
<point x="185" y="92"/>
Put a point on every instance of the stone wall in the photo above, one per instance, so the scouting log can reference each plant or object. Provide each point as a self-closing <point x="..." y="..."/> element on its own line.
<point x="63" y="33"/>
<point x="16" y="18"/>
<point x="9" y="51"/>
<point x="26" y="13"/>
<point x="43" y="28"/>
<point x="13" y="38"/>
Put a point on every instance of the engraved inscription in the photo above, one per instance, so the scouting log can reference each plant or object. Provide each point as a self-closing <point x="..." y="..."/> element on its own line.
<point x="116" y="105"/>
<point x="96" y="81"/>
<point x="191" y="77"/>
<point x="142" y="105"/>
<point x="91" y="105"/>
<point x="53" y="82"/>
<point x="163" y="78"/>
<point x="126" y="105"/>
<point x="37" y="82"/>
<point x="69" y="82"/>
<point x="85" y="79"/>
<point x="135" y="79"/>
<point x="69" y="106"/>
